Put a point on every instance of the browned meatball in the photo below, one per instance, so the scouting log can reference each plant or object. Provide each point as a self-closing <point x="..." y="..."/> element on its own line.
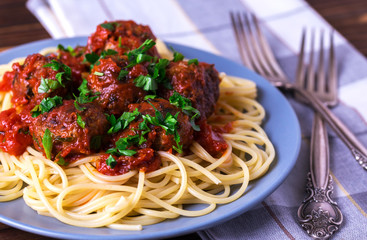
<point x="157" y="138"/>
<point x="34" y="81"/>
<point x="199" y="83"/>
<point x="115" y="94"/>
<point x="121" y="36"/>
<point x="69" y="138"/>
<point x="75" y="60"/>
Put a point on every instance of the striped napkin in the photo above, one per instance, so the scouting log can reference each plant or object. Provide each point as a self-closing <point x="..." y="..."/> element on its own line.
<point x="206" y="25"/>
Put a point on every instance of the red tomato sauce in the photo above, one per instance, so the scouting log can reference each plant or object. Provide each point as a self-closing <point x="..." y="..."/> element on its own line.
<point x="14" y="133"/>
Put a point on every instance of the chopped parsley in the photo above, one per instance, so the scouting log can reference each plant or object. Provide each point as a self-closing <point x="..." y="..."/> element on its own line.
<point x="111" y="161"/>
<point x="168" y="123"/>
<point x="46" y="105"/>
<point x="177" y="56"/>
<point x="48" y="85"/>
<point x="121" y="149"/>
<point x="109" y="26"/>
<point x="122" y="122"/>
<point x="69" y="49"/>
<point x="57" y="66"/>
<point x="85" y="95"/>
<point x="156" y="75"/>
<point x="123" y="73"/>
<point x="193" y="61"/>
<point x="146" y="82"/>
<point x="185" y="104"/>
<point x="80" y="121"/>
<point x="47" y="143"/>
<point x="100" y="74"/>
<point x="61" y="161"/>
<point x="93" y="58"/>
<point x="138" y="55"/>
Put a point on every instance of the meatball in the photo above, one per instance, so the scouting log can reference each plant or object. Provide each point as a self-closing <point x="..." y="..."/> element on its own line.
<point x="74" y="133"/>
<point x="199" y="83"/>
<point x="116" y="93"/>
<point x="121" y="36"/>
<point x="74" y="58"/>
<point x="34" y="81"/>
<point x="158" y="138"/>
<point x="146" y="160"/>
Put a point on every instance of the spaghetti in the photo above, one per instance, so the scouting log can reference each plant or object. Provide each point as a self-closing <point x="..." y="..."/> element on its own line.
<point x="80" y="195"/>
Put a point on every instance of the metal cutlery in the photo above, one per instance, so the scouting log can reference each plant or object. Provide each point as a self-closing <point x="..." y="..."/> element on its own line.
<point x="257" y="55"/>
<point x="318" y="214"/>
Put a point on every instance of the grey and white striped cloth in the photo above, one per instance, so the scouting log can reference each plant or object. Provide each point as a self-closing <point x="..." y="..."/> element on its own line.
<point x="206" y="25"/>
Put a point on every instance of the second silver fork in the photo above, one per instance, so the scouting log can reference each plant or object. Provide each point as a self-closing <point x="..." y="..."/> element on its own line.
<point x="319" y="215"/>
<point x="257" y="55"/>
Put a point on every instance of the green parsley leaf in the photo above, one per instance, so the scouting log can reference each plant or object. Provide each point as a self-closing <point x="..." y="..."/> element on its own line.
<point x="108" y="26"/>
<point x="193" y="61"/>
<point x="107" y="52"/>
<point x="122" y="144"/>
<point x="146" y="82"/>
<point x="111" y="162"/>
<point x="46" y="105"/>
<point x="61" y="161"/>
<point x="56" y="66"/>
<point x="133" y="54"/>
<point x="85" y="95"/>
<point x="80" y="121"/>
<point x="47" y="143"/>
<point x="120" y="42"/>
<point x="150" y="97"/>
<point x="123" y="73"/>
<point x="169" y="123"/>
<point x="61" y="47"/>
<point x="98" y="74"/>
<point x="48" y="85"/>
<point x="177" y="56"/>
<point x="122" y="122"/>
<point x="69" y="49"/>
<point x="92" y="58"/>
<point x="185" y="104"/>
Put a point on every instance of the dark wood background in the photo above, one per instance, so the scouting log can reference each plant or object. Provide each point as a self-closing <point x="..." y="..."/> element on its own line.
<point x="18" y="26"/>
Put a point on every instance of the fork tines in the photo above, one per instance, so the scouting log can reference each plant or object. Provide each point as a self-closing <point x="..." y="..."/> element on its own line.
<point x="323" y="84"/>
<point x="255" y="51"/>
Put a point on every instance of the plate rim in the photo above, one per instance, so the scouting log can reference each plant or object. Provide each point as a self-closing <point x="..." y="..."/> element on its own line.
<point x="9" y="54"/>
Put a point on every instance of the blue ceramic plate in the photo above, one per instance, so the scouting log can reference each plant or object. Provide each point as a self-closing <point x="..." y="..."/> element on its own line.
<point x="281" y="125"/>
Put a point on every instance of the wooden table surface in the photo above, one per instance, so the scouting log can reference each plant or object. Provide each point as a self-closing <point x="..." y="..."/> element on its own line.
<point x="18" y="26"/>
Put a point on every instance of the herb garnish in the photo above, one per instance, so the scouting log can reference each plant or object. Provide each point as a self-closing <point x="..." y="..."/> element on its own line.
<point x="193" y="61"/>
<point x="85" y="95"/>
<point x="111" y="161"/>
<point x="168" y="123"/>
<point x="47" y="143"/>
<point x="48" y="85"/>
<point x="46" y="105"/>
<point x="93" y="57"/>
<point x="185" y="104"/>
<point x="138" y="55"/>
<point x="122" y="122"/>
<point x="109" y="26"/>
<point x="80" y="121"/>
<point x="69" y="49"/>
<point x="177" y="56"/>
<point x="156" y="75"/>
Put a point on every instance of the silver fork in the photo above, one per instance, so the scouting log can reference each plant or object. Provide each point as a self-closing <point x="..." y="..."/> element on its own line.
<point x="318" y="214"/>
<point x="257" y="55"/>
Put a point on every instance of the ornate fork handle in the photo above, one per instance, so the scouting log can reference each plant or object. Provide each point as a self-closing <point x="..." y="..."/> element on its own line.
<point x="319" y="215"/>
<point x="358" y="150"/>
